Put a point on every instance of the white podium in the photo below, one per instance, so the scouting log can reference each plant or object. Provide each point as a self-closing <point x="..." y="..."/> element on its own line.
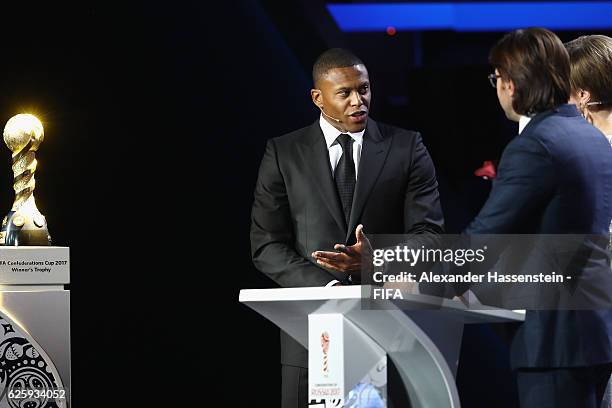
<point x="349" y="343"/>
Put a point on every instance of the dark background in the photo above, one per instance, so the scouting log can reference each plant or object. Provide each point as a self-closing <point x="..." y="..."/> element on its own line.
<point x="156" y="115"/>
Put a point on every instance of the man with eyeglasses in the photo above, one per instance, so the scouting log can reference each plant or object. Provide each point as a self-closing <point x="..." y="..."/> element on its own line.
<point x="555" y="177"/>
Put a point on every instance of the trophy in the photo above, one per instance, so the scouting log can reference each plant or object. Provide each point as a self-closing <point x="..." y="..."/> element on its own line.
<point x="24" y="225"/>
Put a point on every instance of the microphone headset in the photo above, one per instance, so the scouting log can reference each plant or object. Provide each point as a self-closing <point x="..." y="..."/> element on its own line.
<point x="334" y="119"/>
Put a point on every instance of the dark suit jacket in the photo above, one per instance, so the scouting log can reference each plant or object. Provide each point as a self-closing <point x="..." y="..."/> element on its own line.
<point x="297" y="210"/>
<point x="556" y="178"/>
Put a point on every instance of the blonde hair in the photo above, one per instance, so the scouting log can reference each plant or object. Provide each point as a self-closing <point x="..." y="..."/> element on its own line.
<point x="591" y="66"/>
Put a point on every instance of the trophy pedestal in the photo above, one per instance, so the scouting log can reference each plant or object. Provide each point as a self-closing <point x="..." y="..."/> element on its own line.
<point x="35" y="320"/>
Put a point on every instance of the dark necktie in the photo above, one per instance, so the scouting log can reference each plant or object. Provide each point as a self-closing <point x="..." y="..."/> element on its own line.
<point x="345" y="175"/>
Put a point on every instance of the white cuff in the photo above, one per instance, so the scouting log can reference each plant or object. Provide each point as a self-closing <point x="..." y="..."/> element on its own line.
<point x="332" y="283"/>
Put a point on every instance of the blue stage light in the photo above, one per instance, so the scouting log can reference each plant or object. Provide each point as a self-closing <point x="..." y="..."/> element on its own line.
<point x="491" y="16"/>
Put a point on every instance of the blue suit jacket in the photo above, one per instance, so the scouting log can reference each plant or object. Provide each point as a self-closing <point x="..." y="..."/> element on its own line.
<point x="556" y="178"/>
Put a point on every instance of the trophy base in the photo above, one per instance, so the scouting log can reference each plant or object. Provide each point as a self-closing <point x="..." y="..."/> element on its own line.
<point x="21" y="230"/>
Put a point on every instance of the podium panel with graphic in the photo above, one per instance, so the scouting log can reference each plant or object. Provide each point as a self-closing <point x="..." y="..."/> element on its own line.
<point x="349" y="343"/>
<point x="35" y="332"/>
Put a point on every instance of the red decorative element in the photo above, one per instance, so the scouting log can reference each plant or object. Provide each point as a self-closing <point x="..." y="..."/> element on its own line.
<point x="391" y="31"/>
<point x="325" y="347"/>
<point x="487" y="171"/>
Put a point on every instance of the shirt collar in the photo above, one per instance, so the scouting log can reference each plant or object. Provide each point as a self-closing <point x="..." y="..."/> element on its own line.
<point x="331" y="133"/>
<point x="523" y="121"/>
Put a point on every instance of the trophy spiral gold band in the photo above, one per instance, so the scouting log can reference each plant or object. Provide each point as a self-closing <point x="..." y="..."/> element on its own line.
<point x="24" y="225"/>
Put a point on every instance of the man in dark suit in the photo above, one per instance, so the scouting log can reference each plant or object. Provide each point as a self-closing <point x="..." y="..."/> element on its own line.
<point x="319" y="184"/>
<point x="555" y="177"/>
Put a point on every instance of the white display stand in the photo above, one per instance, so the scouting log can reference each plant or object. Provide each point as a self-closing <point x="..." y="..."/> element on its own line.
<point x="35" y="332"/>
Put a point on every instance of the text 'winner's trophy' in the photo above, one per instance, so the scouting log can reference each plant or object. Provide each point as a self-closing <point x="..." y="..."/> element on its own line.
<point x="24" y="225"/>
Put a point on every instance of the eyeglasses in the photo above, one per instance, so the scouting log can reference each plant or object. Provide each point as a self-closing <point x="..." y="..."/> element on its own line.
<point x="493" y="79"/>
<point x="596" y="103"/>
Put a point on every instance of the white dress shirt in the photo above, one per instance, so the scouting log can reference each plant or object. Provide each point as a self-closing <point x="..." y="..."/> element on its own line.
<point x="523" y="121"/>
<point x="335" y="152"/>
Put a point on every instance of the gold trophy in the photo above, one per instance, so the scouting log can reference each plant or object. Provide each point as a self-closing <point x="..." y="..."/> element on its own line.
<point x="24" y="225"/>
